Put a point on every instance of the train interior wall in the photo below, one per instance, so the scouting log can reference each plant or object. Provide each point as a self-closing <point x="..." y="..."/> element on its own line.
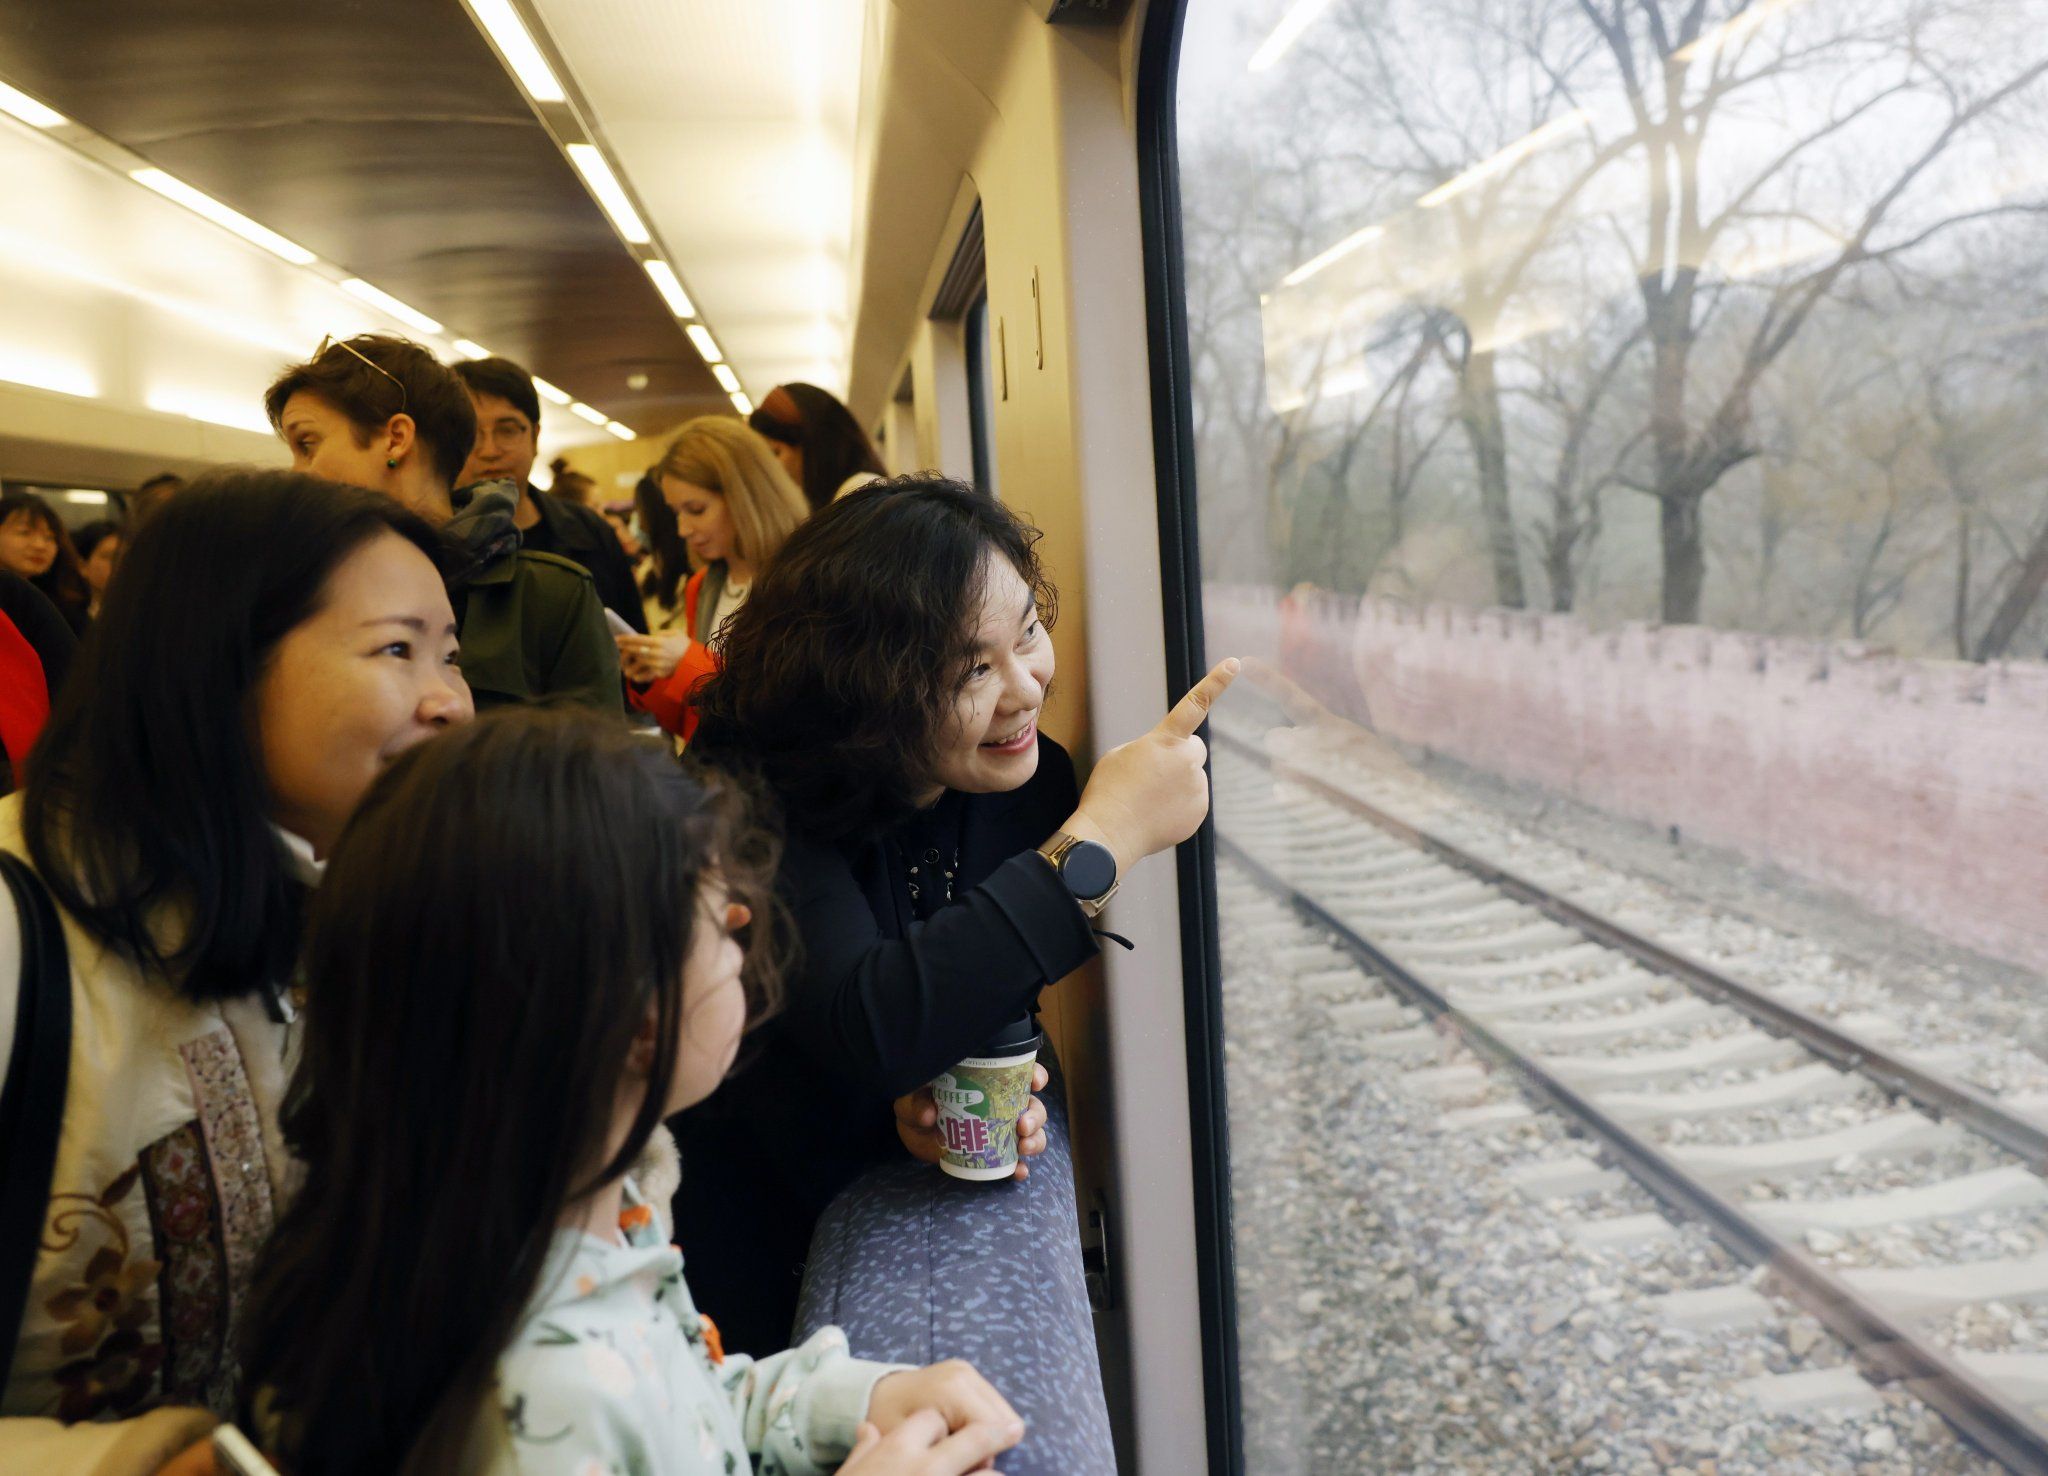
<point x="1035" y="124"/>
<point x="962" y="107"/>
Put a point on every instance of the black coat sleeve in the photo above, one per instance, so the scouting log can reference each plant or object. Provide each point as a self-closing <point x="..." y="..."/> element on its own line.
<point x="609" y="568"/>
<point x="888" y="1014"/>
<point x="42" y="625"/>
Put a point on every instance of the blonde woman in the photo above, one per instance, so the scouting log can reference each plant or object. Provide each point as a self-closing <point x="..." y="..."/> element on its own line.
<point x="734" y="506"/>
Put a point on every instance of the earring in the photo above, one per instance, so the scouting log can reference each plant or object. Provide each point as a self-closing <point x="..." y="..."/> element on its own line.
<point x="391" y="461"/>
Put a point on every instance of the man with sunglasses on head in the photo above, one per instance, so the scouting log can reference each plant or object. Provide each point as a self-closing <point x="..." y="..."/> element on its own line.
<point x="380" y="412"/>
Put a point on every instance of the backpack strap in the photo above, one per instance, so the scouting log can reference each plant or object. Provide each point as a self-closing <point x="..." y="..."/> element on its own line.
<point x="32" y="1102"/>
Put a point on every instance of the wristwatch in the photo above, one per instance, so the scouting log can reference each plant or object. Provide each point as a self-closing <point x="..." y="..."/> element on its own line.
<point x="1087" y="867"/>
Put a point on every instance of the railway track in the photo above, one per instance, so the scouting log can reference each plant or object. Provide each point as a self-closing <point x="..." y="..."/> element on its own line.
<point x="1549" y="990"/>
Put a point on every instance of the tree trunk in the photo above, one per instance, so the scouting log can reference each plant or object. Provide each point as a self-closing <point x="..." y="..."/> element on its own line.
<point x="1479" y="412"/>
<point x="1668" y="319"/>
<point x="1962" y="603"/>
<point x="1685" y="562"/>
<point x="2018" y="603"/>
<point x="1558" y="564"/>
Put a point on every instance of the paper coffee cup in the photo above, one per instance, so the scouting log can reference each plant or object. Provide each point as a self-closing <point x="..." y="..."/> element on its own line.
<point x="979" y="1102"/>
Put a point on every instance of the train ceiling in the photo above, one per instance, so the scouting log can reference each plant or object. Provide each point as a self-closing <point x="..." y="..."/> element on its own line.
<point x="388" y="138"/>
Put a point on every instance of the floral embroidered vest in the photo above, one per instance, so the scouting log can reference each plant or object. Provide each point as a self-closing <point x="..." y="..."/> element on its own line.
<point x="169" y="1173"/>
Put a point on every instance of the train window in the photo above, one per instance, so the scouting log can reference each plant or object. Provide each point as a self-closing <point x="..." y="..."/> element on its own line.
<point x="982" y="379"/>
<point x="1612" y="431"/>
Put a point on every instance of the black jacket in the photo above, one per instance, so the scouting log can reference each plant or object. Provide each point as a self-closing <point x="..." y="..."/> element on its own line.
<point x="876" y="1004"/>
<point x="572" y="531"/>
<point x="42" y="625"/>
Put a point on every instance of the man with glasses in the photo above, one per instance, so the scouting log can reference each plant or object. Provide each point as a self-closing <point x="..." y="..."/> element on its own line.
<point x="507" y="445"/>
<point x="381" y="412"/>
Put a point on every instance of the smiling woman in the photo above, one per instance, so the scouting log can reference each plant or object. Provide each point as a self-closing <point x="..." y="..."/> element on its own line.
<point x="35" y="545"/>
<point x="369" y="674"/>
<point x="172" y="812"/>
<point x="884" y="682"/>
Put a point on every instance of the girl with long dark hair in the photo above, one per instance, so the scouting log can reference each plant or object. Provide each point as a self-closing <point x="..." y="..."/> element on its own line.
<point x="175" y="809"/>
<point x="35" y="544"/>
<point x="817" y="440"/>
<point x="471" y="1279"/>
<point x="668" y="557"/>
<point x="885" y="682"/>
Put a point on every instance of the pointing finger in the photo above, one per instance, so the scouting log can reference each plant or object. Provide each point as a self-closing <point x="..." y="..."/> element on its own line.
<point x="1193" y="710"/>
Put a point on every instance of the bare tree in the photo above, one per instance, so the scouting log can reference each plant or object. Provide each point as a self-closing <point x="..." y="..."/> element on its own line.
<point x="1572" y="388"/>
<point x="1501" y="206"/>
<point x="2026" y="578"/>
<point x="1654" y="46"/>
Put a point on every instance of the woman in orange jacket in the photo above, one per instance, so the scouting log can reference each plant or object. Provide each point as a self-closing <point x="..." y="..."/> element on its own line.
<point x="734" y="506"/>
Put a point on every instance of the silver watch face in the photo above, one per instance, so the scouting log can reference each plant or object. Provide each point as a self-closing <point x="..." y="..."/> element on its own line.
<point x="1088" y="868"/>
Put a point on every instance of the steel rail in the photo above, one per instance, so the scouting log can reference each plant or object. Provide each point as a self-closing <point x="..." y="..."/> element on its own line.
<point x="2020" y="1136"/>
<point x="1887" y="1349"/>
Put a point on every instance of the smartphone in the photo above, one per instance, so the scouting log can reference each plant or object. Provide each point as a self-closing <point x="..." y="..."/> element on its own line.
<point x="618" y="623"/>
<point x="236" y="1454"/>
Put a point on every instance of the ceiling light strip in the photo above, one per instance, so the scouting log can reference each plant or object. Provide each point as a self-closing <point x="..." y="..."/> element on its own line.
<point x="515" y="43"/>
<point x="39" y="371"/>
<point x="377" y="297"/>
<point x="1334" y="255"/>
<point x="104" y="151"/>
<point x="569" y="125"/>
<point x="213" y="409"/>
<point x="18" y="104"/>
<point x="1506" y="158"/>
<point x="623" y="432"/>
<point x="1284" y="35"/>
<point x="741" y="403"/>
<point x="597" y="173"/>
<point x="585" y="412"/>
<point x="727" y="380"/>
<point x="671" y="290"/>
<point x="173" y="188"/>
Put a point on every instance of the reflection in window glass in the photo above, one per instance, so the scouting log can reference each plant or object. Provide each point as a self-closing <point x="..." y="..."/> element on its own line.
<point x="1617" y="433"/>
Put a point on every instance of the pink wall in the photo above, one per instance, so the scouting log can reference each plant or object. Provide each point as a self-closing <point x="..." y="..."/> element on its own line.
<point x="1918" y="787"/>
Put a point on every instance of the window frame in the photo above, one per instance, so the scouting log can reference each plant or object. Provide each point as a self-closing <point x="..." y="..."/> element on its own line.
<point x="1173" y="451"/>
<point x="981" y="392"/>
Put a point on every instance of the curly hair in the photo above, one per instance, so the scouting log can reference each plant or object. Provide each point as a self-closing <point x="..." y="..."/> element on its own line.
<point x="841" y="669"/>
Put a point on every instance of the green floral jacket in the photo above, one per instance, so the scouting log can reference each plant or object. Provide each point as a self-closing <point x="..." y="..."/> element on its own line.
<point x="614" y="1373"/>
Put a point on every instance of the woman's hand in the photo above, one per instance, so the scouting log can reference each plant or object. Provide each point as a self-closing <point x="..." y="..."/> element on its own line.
<point x="1150" y="794"/>
<point x="917" y="1124"/>
<point x="946" y="1398"/>
<point x="953" y="1388"/>
<point x="650" y="658"/>
<point x="920" y="1446"/>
